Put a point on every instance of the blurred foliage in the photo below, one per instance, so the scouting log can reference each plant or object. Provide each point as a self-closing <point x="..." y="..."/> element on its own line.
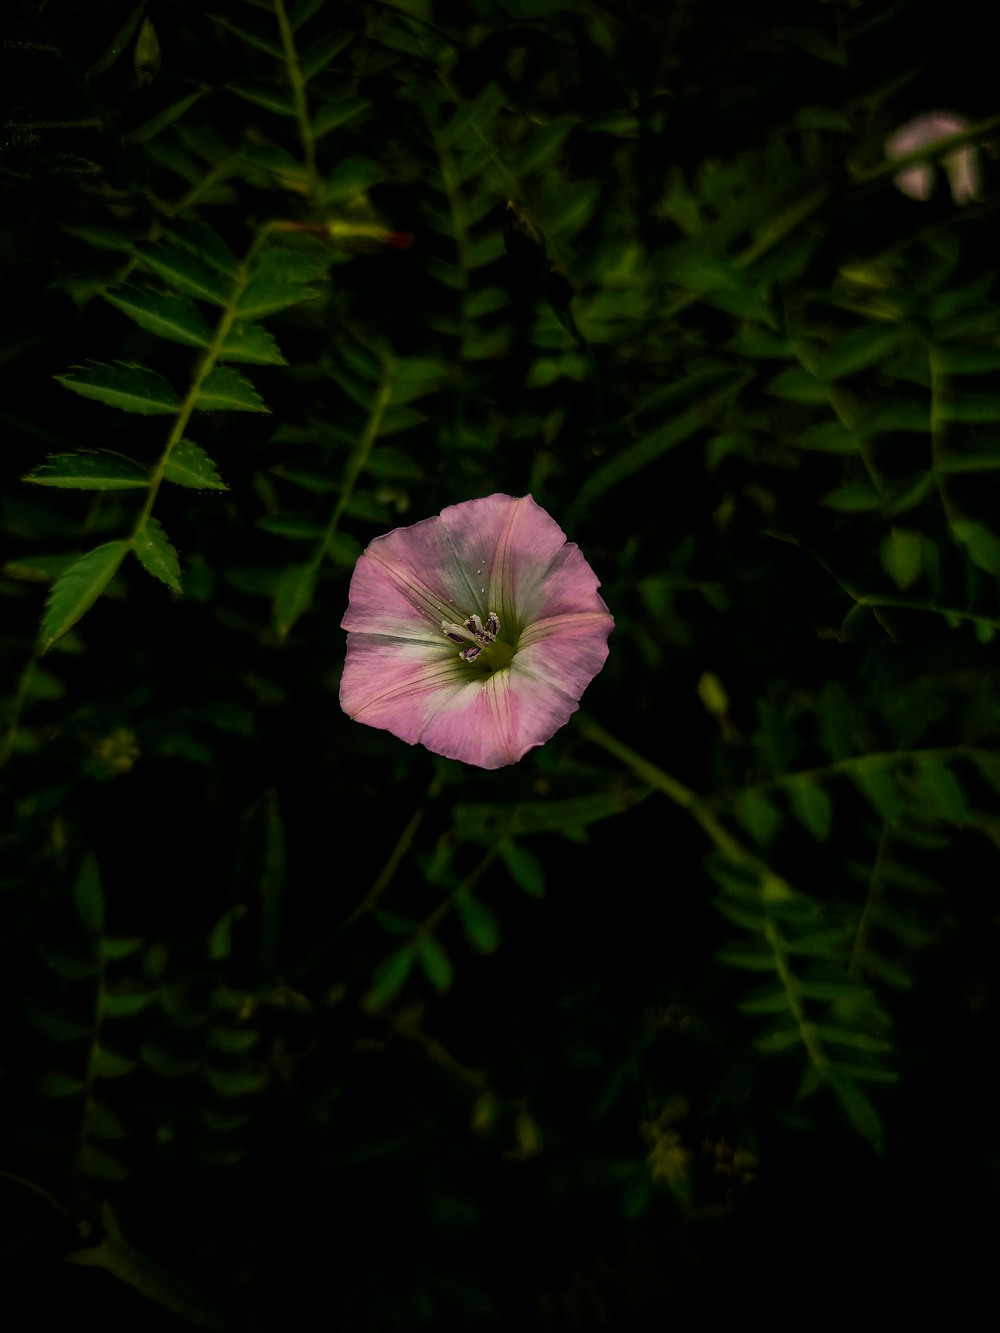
<point x="295" y="1014"/>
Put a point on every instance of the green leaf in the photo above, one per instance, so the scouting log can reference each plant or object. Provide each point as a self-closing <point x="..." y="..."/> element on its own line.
<point x="149" y="129"/>
<point x="165" y="1062"/>
<point x="224" y="389"/>
<point x="973" y="407"/>
<point x="280" y="280"/>
<point x="101" y="1165"/>
<point x="220" y="940"/>
<point x="775" y="1002"/>
<point x="856" y="498"/>
<point x="858" y="350"/>
<point x="435" y="962"/>
<point x="235" y="1082"/>
<point x="123" y="948"/>
<point x="109" y="1064"/>
<point x="318" y="56"/>
<point x="252" y="344"/>
<point x="157" y="555"/>
<point x="172" y="317"/>
<point x="480" y="924"/>
<point x="88" y="896"/>
<point x="901" y="553"/>
<point x="859" y="1108"/>
<point x="798" y="386"/>
<point x="524" y="867"/>
<point x="340" y="111"/>
<point x="751" y="957"/>
<point x="185" y="273"/>
<point x="351" y="176"/>
<point x="828" y="437"/>
<point x="59" y="1085"/>
<point x="294" y="597"/>
<point x="812" y="808"/>
<point x="757" y="815"/>
<point x="263" y="94"/>
<point x="125" y="1003"/>
<point x="189" y="465"/>
<point x="298" y="527"/>
<point x="982" y="545"/>
<point x="943" y="790"/>
<point x="390" y="975"/>
<point x="104" y="1124"/>
<point x="129" y="388"/>
<point x="781" y="1039"/>
<point x="76" y="592"/>
<point x="879" y="787"/>
<point x="90" y="470"/>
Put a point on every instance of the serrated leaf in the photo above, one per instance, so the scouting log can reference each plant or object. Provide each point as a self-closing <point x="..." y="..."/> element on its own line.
<point x="189" y="465"/>
<point x="390" y="975"/>
<point x="277" y="282"/>
<point x="172" y="317"/>
<point x="157" y="555"/>
<point x="88" y="896"/>
<point x="858" y="1106"/>
<point x="226" y="390"/>
<point x="812" y="808"/>
<point x="109" y="1064"/>
<point x="294" y="597"/>
<point x="251" y="344"/>
<point x="435" y="962"/>
<point x="129" y="388"/>
<point x="480" y="924"/>
<point x="79" y="588"/>
<point x="184" y="272"/>
<point x="90" y="470"/>
<point x="318" y="56"/>
<point x="101" y="1165"/>
<point x="859" y="1041"/>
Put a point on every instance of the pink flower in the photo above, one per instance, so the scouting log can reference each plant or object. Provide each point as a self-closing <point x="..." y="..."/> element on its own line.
<point x="474" y="633"/>
<point x="962" y="165"/>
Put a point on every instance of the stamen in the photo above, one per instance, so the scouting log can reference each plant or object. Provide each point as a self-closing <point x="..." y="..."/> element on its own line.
<point x="470" y="654"/>
<point x="474" y="633"/>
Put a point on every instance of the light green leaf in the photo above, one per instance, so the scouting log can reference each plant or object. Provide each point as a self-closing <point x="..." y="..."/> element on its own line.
<point x="252" y="344"/>
<point x="435" y="962"/>
<point x="172" y="317"/>
<point x="480" y="924"/>
<point x="901" y="553"/>
<point x="224" y="389"/>
<point x="982" y="545"/>
<point x="79" y="588"/>
<point x="129" y="388"/>
<point x="189" y="465"/>
<point x="294" y="597"/>
<point x="88" y="896"/>
<point x="157" y="555"/>
<point x="184" y="272"/>
<point x="90" y="470"/>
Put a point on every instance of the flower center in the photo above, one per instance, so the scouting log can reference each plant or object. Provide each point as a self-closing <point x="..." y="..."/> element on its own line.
<point x="482" y="642"/>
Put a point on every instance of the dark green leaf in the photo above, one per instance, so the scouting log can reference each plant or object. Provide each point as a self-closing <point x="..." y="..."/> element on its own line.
<point x="88" y="896"/>
<point x="129" y="388"/>
<point x="97" y="470"/>
<point x="185" y="273"/>
<point x="812" y="808"/>
<point x="435" y="962"/>
<point x="251" y="344"/>
<point x="79" y="588"/>
<point x="157" y="555"/>
<point x="172" y="317"/>
<point x="224" y="389"/>
<point x="294" y="597"/>
<point x="189" y="465"/>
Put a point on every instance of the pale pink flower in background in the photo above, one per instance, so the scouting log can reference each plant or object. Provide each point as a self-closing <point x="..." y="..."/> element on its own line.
<point x="473" y="633"/>
<point x="961" y="166"/>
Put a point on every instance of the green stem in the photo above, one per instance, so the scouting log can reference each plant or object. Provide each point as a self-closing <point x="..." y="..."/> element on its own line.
<point x="298" y="97"/>
<point x="11" y="720"/>
<point x="881" y="759"/>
